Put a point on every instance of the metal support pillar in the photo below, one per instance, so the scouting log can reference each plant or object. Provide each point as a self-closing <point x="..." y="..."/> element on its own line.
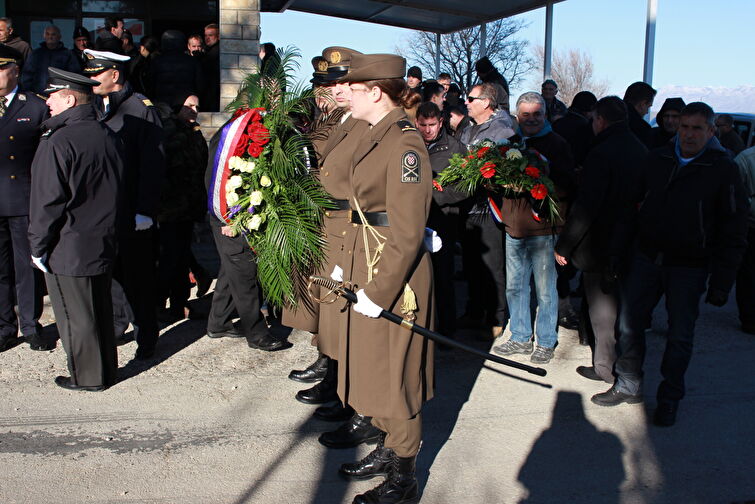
<point x="483" y="40"/>
<point x="548" y="49"/>
<point x="647" y="71"/>
<point x="437" y="55"/>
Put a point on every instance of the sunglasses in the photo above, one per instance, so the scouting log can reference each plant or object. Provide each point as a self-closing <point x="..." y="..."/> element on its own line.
<point x="470" y="99"/>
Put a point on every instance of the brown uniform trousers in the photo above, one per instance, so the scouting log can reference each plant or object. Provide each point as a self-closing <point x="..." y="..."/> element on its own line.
<point x="386" y="371"/>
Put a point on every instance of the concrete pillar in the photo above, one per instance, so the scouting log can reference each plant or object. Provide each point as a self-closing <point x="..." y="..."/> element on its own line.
<point x="239" y="45"/>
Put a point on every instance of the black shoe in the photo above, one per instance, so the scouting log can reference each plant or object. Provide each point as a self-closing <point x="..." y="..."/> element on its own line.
<point x="313" y="373"/>
<point x="376" y="463"/>
<point x="665" y="413"/>
<point x="268" y="344"/>
<point x="356" y="431"/>
<point x="204" y="281"/>
<point x="36" y="342"/>
<point x="570" y="322"/>
<point x="400" y="488"/>
<point x="612" y="397"/>
<point x="325" y="391"/>
<point x="589" y="373"/>
<point x="124" y="339"/>
<point x="225" y="333"/>
<point x="335" y="413"/>
<point x="7" y="342"/>
<point x="144" y="353"/>
<point x="65" y="382"/>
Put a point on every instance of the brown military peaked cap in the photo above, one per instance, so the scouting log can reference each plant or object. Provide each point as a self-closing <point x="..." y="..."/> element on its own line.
<point x="365" y="67"/>
<point x="339" y="61"/>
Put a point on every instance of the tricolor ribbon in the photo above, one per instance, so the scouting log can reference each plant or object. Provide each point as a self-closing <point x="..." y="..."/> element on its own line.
<point x="229" y="139"/>
<point x="495" y="211"/>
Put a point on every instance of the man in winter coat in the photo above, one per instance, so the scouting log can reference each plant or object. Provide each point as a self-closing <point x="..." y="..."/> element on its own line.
<point x="690" y="227"/>
<point x="10" y="39"/>
<point x="50" y="53"/>
<point x="668" y="122"/>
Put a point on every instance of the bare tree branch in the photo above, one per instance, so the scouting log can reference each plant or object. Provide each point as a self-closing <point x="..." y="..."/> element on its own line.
<point x="573" y="72"/>
<point x="460" y="50"/>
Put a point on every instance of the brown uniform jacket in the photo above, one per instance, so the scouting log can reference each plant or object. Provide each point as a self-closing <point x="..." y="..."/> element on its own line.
<point x="385" y="370"/>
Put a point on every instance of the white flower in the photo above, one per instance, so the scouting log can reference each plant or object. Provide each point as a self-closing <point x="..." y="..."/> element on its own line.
<point x="234" y="182"/>
<point x="235" y="163"/>
<point x="265" y="181"/>
<point x="254" y="223"/>
<point x="512" y="154"/>
<point x="231" y="197"/>
<point x="255" y="198"/>
<point x="247" y="167"/>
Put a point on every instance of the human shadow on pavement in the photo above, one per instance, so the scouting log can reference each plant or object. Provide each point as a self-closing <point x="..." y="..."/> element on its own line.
<point x="572" y="458"/>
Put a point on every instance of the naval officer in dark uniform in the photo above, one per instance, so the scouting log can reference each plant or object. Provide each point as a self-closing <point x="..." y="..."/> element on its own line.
<point x="136" y="122"/>
<point x="20" y="116"/>
<point x="75" y="197"/>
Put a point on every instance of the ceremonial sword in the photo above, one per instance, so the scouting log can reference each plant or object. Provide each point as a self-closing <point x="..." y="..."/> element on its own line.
<point x="340" y="290"/>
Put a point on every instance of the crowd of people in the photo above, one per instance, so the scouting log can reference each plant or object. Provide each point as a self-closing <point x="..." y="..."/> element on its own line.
<point x="103" y="183"/>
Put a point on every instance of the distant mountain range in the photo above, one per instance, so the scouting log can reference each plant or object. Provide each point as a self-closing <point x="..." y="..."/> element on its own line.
<point x="722" y="99"/>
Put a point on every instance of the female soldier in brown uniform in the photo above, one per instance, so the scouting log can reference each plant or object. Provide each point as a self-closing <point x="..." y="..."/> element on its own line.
<point x="385" y="370"/>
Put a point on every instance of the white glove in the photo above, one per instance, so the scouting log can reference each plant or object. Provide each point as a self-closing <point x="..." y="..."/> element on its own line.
<point x="365" y="306"/>
<point x="39" y="262"/>
<point x="337" y="274"/>
<point x="433" y="243"/>
<point x="143" y="222"/>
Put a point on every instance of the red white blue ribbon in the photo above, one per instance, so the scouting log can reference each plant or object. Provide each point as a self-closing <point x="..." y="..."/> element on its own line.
<point x="229" y="139"/>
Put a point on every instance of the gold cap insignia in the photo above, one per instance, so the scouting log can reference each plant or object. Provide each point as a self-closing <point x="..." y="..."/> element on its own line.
<point x="335" y="57"/>
<point x="322" y="66"/>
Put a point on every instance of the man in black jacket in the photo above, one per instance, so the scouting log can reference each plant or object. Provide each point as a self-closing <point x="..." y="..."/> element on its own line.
<point x="75" y="199"/>
<point x="444" y="212"/>
<point x="690" y="230"/>
<point x="135" y="121"/>
<point x="21" y="115"/>
<point x="575" y="126"/>
<point x="614" y="163"/>
<point x="109" y="38"/>
<point x="639" y="98"/>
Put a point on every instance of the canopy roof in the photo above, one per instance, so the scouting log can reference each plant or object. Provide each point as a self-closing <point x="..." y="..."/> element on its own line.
<point x="436" y="16"/>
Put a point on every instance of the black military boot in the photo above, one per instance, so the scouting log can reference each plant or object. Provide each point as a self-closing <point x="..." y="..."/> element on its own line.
<point x="313" y="373"/>
<point x="356" y="431"/>
<point x="325" y="391"/>
<point x="376" y="463"/>
<point x="399" y="488"/>
<point x="335" y="413"/>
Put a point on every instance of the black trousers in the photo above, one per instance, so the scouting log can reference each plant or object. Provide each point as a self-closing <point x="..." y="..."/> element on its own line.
<point x="134" y="287"/>
<point x="173" y="266"/>
<point x="84" y="316"/>
<point x="485" y="268"/>
<point x="746" y="283"/>
<point x="19" y="282"/>
<point x="237" y="290"/>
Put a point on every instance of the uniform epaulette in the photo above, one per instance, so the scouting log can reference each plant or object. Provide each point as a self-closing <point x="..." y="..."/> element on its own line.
<point x="406" y="125"/>
<point x="41" y="97"/>
<point x="147" y="102"/>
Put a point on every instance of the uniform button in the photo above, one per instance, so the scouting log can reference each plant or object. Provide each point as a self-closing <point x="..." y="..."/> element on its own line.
<point x="327" y="214"/>
<point x="349" y="252"/>
<point x="326" y="173"/>
<point x="374" y="271"/>
<point x="13" y="177"/>
<point x="11" y="137"/>
<point x="11" y="157"/>
<point x="354" y="225"/>
<point x="343" y="233"/>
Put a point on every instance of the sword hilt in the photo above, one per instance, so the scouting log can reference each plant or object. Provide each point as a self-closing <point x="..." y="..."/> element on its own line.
<point x="338" y="288"/>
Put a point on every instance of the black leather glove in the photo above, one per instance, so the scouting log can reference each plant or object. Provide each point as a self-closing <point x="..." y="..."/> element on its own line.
<point x="716" y="297"/>
<point x="610" y="275"/>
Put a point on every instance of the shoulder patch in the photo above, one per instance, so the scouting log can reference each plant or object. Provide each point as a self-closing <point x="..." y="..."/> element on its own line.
<point x="410" y="165"/>
<point x="406" y="125"/>
<point x="147" y="102"/>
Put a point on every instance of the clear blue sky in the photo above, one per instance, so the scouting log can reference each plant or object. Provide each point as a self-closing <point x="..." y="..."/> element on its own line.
<point x="698" y="42"/>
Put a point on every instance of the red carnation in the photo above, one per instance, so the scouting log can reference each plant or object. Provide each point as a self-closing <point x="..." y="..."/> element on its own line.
<point x="482" y="152"/>
<point x="241" y="146"/>
<point x="255" y="149"/>
<point x="471" y="156"/>
<point x="488" y="170"/>
<point x="539" y="191"/>
<point x="437" y="186"/>
<point x="532" y="171"/>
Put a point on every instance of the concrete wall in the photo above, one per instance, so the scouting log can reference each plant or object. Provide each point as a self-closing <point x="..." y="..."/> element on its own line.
<point x="239" y="45"/>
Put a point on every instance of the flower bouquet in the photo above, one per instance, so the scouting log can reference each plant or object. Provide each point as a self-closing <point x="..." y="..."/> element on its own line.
<point x="512" y="170"/>
<point x="262" y="185"/>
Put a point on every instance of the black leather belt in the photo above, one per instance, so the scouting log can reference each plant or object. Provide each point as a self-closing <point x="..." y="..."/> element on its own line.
<point x="373" y="218"/>
<point x="341" y="204"/>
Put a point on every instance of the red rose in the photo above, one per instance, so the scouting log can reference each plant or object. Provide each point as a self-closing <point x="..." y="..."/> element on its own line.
<point x="437" y="186"/>
<point x="482" y="152"/>
<point x="256" y="116"/>
<point x="532" y="171"/>
<point x="471" y="156"/>
<point x="258" y="133"/>
<point x="239" y="112"/>
<point x="255" y="149"/>
<point x="488" y="170"/>
<point x="241" y="146"/>
<point x="539" y="191"/>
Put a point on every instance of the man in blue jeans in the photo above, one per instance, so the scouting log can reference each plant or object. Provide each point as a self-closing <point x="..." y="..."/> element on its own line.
<point x="690" y="231"/>
<point x="530" y="242"/>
